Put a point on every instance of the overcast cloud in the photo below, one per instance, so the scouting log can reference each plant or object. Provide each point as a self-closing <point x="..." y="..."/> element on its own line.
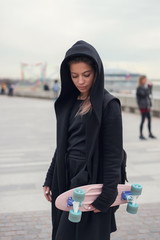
<point x="126" y="33"/>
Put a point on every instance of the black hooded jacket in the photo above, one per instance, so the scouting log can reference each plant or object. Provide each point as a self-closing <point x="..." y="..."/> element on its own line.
<point x="103" y="143"/>
<point x="143" y="97"/>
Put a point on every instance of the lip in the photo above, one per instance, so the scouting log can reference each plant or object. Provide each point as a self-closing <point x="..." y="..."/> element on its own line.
<point x="82" y="88"/>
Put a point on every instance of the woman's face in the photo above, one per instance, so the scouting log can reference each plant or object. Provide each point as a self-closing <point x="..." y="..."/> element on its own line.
<point x="82" y="75"/>
<point x="144" y="80"/>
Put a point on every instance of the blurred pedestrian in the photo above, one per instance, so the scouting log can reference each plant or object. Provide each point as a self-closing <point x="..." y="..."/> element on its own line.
<point x="89" y="145"/>
<point x="3" y="88"/>
<point x="56" y="89"/>
<point x="143" y="94"/>
<point x="46" y="87"/>
<point x="10" y="89"/>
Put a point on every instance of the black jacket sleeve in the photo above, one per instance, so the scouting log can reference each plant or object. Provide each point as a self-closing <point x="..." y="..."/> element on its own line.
<point x="49" y="175"/>
<point x="112" y="155"/>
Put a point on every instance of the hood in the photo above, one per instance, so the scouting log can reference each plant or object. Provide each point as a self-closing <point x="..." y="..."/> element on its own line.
<point x="68" y="89"/>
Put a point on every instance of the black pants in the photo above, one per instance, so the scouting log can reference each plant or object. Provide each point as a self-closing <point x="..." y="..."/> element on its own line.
<point x="143" y="117"/>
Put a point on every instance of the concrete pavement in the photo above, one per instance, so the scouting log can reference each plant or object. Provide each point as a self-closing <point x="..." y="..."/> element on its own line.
<point x="27" y="142"/>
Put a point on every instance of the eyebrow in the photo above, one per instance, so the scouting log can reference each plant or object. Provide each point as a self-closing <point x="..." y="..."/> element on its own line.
<point x="83" y="72"/>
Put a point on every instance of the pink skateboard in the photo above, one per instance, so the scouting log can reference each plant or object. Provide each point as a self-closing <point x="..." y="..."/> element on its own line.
<point x="79" y="200"/>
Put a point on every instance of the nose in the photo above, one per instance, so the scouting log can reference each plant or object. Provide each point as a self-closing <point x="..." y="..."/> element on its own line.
<point x="80" y="80"/>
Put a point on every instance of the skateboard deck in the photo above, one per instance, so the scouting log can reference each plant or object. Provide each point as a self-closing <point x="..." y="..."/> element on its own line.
<point x="91" y="193"/>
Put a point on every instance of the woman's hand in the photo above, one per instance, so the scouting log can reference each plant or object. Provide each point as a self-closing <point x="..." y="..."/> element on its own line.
<point x="94" y="209"/>
<point x="47" y="193"/>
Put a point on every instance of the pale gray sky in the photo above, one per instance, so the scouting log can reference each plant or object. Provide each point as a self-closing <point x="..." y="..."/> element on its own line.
<point x="126" y="33"/>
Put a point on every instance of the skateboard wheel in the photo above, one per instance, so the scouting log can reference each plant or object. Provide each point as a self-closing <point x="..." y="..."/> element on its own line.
<point x="136" y="189"/>
<point x="132" y="208"/>
<point x="78" y="195"/>
<point x="74" y="217"/>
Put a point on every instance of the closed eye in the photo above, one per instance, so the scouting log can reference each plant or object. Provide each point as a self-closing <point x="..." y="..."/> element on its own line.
<point x="74" y="76"/>
<point x="87" y="75"/>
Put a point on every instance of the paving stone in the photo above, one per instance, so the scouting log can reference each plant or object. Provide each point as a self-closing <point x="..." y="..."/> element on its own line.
<point x="6" y="238"/>
<point x="43" y="235"/>
<point x="31" y="236"/>
<point x="17" y="238"/>
<point x="3" y="229"/>
<point x="131" y="237"/>
<point x="144" y="230"/>
<point x="155" y="230"/>
<point x="21" y="232"/>
<point x="2" y="234"/>
<point x="10" y="233"/>
<point x="17" y="228"/>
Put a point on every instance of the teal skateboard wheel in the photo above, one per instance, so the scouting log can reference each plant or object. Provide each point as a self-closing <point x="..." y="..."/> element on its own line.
<point x="136" y="189"/>
<point x="78" y="195"/>
<point x="132" y="208"/>
<point x="75" y="217"/>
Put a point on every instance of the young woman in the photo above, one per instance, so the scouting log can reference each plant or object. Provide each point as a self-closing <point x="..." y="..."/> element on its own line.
<point x="144" y="102"/>
<point x="89" y="145"/>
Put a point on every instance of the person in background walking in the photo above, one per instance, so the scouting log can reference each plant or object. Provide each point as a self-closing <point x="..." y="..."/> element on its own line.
<point x="143" y="95"/>
<point x="46" y="87"/>
<point x="10" y="89"/>
<point x="3" y="88"/>
<point x="56" y="89"/>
